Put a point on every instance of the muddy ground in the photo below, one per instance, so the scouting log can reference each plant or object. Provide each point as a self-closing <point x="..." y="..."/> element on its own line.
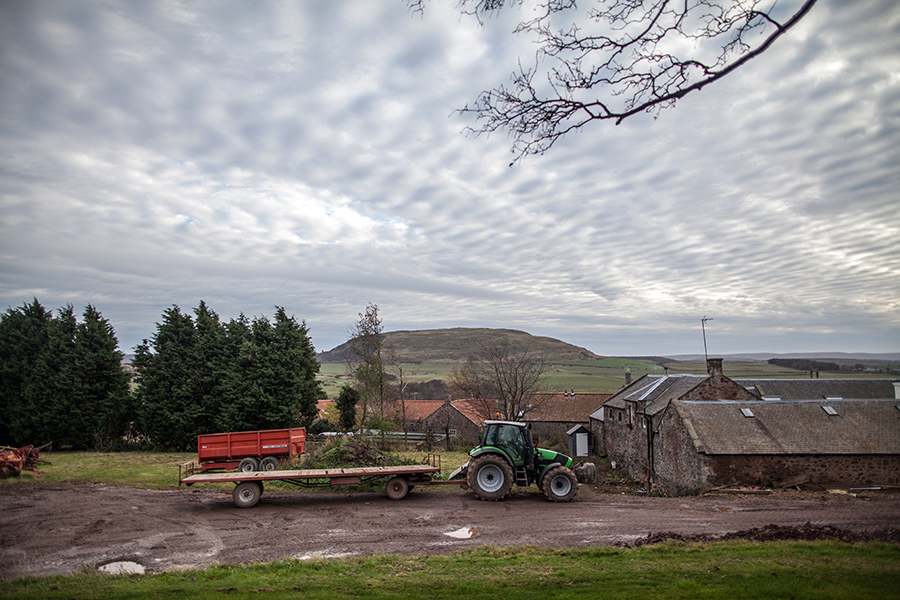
<point x="57" y="529"/>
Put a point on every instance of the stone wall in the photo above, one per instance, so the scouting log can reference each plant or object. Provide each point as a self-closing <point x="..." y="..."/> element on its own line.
<point x="625" y="441"/>
<point x="823" y="469"/>
<point x="679" y="469"/>
<point x="548" y="434"/>
<point x="437" y="422"/>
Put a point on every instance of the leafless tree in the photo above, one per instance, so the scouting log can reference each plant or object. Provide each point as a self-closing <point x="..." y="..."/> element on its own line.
<point x="402" y="380"/>
<point x="365" y="362"/>
<point x="501" y="380"/>
<point x="618" y="59"/>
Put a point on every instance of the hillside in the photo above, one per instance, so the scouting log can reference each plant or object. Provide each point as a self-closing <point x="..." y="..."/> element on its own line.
<point x="434" y="346"/>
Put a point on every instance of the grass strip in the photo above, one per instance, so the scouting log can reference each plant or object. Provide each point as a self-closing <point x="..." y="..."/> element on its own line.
<point x="733" y="570"/>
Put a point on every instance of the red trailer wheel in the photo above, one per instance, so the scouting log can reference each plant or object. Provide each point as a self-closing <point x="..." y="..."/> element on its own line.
<point x="248" y="465"/>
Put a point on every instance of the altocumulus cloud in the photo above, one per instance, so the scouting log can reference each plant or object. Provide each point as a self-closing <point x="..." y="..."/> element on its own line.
<point x="308" y="155"/>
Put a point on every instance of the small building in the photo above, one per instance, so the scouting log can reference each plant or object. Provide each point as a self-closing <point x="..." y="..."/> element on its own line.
<point x="580" y="443"/>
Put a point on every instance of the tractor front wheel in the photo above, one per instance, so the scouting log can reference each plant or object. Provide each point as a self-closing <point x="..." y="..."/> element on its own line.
<point x="560" y="484"/>
<point x="490" y="477"/>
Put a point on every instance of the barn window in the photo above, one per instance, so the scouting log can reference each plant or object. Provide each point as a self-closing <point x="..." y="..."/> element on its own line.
<point x="746" y="412"/>
<point x="620" y="416"/>
<point x="829" y="411"/>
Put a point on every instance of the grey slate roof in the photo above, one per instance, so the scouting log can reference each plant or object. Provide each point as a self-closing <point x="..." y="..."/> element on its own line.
<point x="793" y="427"/>
<point x="809" y="389"/>
<point x="656" y="390"/>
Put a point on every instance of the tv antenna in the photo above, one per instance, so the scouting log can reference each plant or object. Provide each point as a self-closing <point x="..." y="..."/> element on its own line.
<point x="703" y="327"/>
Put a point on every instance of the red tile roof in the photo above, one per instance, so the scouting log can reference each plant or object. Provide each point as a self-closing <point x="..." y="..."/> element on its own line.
<point x="566" y="408"/>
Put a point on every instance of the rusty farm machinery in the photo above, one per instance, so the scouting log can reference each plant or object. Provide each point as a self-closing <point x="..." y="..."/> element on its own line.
<point x="14" y="460"/>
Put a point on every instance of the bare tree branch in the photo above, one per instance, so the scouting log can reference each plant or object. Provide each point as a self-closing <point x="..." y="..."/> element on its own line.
<point x="500" y="380"/>
<point x="623" y="58"/>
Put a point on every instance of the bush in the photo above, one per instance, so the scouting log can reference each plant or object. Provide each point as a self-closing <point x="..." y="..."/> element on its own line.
<point x="320" y="426"/>
<point x="345" y="453"/>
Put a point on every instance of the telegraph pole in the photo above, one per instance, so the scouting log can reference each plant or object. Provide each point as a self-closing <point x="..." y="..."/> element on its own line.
<point x="703" y="327"/>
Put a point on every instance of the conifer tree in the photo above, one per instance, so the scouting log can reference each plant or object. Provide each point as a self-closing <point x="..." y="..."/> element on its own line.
<point x="168" y="394"/>
<point x="61" y="381"/>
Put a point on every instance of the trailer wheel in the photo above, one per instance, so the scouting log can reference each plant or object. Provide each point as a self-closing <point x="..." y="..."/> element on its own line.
<point x="560" y="484"/>
<point x="246" y="494"/>
<point x="269" y="463"/>
<point x="248" y="465"/>
<point x="490" y="477"/>
<point x="397" y="488"/>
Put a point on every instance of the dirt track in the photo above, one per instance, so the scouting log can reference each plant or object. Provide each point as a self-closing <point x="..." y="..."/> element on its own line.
<point x="55" y="529"/>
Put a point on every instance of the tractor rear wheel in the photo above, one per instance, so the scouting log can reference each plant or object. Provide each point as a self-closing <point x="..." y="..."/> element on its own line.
<point x="490" y="477"/>
<point x="560" y="484"/>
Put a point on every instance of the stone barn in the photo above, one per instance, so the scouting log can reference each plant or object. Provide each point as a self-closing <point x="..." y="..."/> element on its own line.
<point x="682" y="434"/>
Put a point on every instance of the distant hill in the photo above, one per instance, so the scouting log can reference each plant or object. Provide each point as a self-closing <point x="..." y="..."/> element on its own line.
<point x="455" y="345"/>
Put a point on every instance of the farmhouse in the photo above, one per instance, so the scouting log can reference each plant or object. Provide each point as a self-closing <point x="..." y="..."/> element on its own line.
<point x="682" y="434"/>
<point x="438" y="418"/>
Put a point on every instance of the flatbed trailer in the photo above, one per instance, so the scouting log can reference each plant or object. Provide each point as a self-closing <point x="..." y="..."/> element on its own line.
<point x="249" y="486"/>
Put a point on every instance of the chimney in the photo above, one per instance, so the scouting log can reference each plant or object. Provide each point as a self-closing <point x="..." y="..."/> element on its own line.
<point x="714" y="366"/>
<point x="897" y="389"/>
<point x="627" y="374"/>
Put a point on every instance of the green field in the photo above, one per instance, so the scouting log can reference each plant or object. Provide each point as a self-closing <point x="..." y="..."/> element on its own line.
<point x="603" y="376"/>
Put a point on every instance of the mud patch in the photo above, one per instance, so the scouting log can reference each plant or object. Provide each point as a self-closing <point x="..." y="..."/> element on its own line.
<point x="769" y="533"/>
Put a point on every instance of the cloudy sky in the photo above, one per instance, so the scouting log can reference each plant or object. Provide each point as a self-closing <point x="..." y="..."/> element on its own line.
<point x="306" y="154"/>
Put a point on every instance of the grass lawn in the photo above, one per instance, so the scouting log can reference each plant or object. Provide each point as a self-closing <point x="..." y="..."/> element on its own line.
<point x="155" y="470"/>
<point x="733" y="570"/>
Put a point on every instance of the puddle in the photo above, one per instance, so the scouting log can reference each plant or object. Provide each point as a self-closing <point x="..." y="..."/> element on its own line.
<point x="464" y="533"/>
<point x="319" y="554"/>
<point x="122" y="567"/>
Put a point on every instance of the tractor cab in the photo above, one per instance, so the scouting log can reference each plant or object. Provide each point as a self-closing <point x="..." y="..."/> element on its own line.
<point x="511" y="438"/>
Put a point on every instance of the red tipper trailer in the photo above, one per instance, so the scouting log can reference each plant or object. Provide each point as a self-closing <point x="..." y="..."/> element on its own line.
<point x="249" y="451"/>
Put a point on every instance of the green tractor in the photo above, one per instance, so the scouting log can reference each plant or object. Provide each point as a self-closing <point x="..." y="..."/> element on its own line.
<point x="506" y="455"/>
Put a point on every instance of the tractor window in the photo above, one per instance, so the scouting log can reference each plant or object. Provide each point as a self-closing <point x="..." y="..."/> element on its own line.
<point x="510" y="438"/>
<point x="490" y="437"/>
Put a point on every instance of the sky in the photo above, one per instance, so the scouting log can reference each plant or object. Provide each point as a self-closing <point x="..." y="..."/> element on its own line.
<point x="308" y="155"/>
